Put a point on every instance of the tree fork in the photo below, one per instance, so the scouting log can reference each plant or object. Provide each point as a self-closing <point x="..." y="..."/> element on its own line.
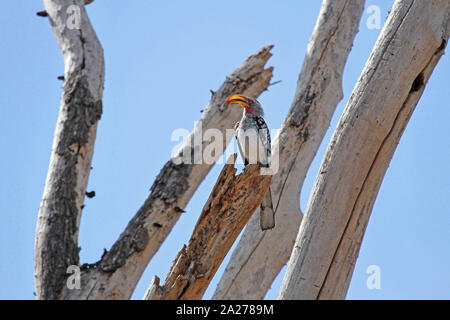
<point x="229" y="207"/>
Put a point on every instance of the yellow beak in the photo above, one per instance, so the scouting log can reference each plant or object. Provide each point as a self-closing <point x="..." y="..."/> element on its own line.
<point x="238" y="99"/>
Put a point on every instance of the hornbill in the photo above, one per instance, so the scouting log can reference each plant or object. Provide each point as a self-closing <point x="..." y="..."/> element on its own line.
<point x="253" y="140"/>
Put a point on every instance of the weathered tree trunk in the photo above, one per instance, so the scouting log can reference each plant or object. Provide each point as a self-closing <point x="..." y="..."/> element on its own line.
<point x="229" y="207"/>
<point x="259" y="256"/>
<point x="325" y="252"/>
<point x="81" y="107"/>
<point x="117" y="273"/>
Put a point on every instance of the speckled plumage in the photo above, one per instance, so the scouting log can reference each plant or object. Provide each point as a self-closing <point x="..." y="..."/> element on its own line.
<point x="253" y="140"/>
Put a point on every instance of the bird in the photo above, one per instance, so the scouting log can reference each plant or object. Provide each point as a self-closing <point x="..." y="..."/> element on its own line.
<point x="253" y="140"/>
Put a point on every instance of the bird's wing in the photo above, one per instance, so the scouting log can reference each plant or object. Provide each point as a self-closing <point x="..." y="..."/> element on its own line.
<point x="265" y="143"/>
<point x="239" y="145"/>
<point x="236" y="126"/>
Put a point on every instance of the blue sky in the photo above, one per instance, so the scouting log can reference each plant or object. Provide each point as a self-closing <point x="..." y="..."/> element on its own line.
<point x="162" y="58"/>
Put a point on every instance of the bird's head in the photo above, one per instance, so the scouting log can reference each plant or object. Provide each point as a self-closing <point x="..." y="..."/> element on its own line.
<point x="250" y="105"/>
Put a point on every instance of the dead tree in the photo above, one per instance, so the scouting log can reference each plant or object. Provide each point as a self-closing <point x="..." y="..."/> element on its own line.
<point x="116" y="274"/>
<point x="259" y="256"/>
<point x="408" y="49"/>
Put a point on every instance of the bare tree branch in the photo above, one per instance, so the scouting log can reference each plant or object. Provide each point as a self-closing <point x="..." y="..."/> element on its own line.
<point x="229" y="207"/>
<point x="408" y="49"/>
<point x="81" y="107"/>
<point x="259" y="256"/>
<point x="117" y="273"/>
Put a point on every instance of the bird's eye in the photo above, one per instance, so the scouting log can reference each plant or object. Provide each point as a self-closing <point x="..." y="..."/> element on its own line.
<point x="250" y="102"/>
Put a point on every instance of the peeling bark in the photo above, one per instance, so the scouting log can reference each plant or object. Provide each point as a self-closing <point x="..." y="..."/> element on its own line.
<point x="117" y="273"/>
<point x="56" y="245"/>
<point x="229" y="207"/>
<point x="259" y="256"/>
<point x="392" y="82"/>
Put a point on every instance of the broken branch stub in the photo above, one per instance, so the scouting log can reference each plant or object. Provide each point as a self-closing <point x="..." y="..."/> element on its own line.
<point x="229" y="207"/>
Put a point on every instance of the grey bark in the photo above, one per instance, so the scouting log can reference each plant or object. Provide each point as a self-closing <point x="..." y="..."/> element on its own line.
<point x="392" y="82"/>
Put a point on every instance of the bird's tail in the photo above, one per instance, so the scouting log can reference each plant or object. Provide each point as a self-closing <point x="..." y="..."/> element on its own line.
<point x="267" y="215"/>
